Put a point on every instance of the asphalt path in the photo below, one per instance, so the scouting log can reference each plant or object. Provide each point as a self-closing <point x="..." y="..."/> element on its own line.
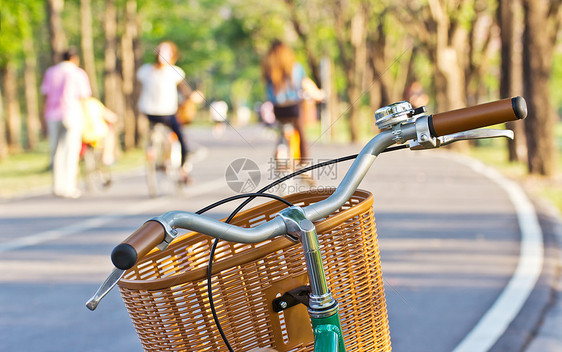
<point x="449" y="240"/>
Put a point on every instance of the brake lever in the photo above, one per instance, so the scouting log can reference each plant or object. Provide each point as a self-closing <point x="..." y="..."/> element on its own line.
<point x="480" y="133"/>
<point x="104" y="289"/>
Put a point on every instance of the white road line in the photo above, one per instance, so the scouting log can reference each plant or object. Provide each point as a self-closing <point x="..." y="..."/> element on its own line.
<point x="497" y="319"/>
<point x="98" y="221"/>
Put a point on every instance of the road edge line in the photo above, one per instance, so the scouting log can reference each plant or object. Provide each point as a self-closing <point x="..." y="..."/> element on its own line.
<point x="503" y="311"/>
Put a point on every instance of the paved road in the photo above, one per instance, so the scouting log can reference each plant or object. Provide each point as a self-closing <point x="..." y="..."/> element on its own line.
<point x="449" y="239"/>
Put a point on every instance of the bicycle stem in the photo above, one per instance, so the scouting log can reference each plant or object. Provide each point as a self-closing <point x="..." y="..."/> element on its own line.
<point x="322" y="304"/>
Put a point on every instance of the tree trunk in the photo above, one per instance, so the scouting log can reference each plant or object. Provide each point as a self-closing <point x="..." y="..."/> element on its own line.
<point x="33" y="121"/>
<point x="142" y="124"/>
<point x="3" y="142"/>
<point x="113" y="97"/>
<point x="510" y="84"/>
<point x="87" y="44"/>
<point x="357" y="70"/>
<point x="378" y="64"/>
<point x="313" y="61"/>
<point x="538" y="47"/>
<point x="375" y="96"/>
<point x="56" y="31"/>
<point x="453" y="73"/>
<point x="110" y="55"/>
<point x="13" y="114"/>
<point x="445" y="41"/>
<point x="128" y="69"/>
<point x="354" y="59"/>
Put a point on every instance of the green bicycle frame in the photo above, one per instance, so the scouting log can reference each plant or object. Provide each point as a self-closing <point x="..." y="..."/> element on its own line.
<point x="328" y="335"/>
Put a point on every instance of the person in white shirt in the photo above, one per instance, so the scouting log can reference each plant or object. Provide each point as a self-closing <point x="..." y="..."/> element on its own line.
<point x="158" y="99"/>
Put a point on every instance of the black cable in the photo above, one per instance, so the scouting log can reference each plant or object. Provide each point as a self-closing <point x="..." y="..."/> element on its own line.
<point x="233" y="214"/>
<point x="239" y="196"/>
<point x="214" y="247"/>
<point x="306" y="169"/>
<point x="250" y="197"/>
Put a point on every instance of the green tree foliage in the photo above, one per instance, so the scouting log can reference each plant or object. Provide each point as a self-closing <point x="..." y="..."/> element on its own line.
<point x="222" y="43"/>
<point x="215" y="42"/>
<point x="19" y="20"/>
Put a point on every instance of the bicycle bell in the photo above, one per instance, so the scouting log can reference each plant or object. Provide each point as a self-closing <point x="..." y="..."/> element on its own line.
<point x="393" y="114"/>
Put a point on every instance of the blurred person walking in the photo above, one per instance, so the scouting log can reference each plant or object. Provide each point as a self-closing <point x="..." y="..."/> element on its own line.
<point x="158" y="100"/>
<point x="286" y="85"/>
<point x="218" y="111"/>
<point x="416" y="95"/>
<point x="64" y="86"/>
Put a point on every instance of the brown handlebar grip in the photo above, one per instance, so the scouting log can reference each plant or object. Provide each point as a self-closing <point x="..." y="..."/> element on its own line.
<point x="125" y="255"/>
<point x="478" y="116"/>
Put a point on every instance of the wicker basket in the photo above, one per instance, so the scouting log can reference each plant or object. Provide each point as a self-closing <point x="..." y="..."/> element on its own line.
<point x="166" y="293"/>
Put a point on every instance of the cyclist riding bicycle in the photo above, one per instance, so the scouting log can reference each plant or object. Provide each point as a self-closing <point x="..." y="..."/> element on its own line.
<point x="286" y="85"/>
<point x="161" y="81"/>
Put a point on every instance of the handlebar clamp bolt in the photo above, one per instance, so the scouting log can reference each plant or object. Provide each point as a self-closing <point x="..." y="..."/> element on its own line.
<point x="424" y="139"/>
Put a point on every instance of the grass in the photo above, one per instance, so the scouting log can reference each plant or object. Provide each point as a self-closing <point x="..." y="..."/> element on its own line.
<point x="26" y="172"/>
<point x="494" y="153"/>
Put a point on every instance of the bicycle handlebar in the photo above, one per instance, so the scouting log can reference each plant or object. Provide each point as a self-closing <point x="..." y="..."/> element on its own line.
<point x="125" y="255"/>
<point x="153" y="232"/>
<point x="478" y="116"/>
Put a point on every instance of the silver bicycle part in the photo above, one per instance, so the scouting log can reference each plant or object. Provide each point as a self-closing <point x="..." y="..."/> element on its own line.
<point x="423" y="134"/>
<point x="276" y="227"/>
<point x="322" y="304"/>
<point x="393" y="114"/>
<point x="313" y="212"/>
<point x="414" y="131"/>
<point x="171" y="234"/>
<point x="323" y="208"/>
<point x="104" y="289"/>
<point x="481" y="133"/>
<point x="424" y="140"/>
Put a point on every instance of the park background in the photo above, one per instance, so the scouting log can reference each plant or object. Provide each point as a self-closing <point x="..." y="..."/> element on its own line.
<point x="365" y="54"/>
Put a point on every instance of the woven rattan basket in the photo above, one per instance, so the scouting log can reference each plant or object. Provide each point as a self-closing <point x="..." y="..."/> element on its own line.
<point x="166" y="293"/>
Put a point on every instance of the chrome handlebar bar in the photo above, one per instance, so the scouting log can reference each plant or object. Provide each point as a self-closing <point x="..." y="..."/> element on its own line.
<point x="416" y="128"/>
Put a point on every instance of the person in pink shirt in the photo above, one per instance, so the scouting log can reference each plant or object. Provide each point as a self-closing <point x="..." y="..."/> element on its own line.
<point x="64" y="86"/>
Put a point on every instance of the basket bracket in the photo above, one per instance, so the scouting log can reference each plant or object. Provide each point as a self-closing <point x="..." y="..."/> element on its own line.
<point x="292" y="298"/>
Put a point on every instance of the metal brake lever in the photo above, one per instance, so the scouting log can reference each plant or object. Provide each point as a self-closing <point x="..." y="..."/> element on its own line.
<point x="104" y="289"/>
<point x="480" y="133"/>
<point x="429" y="143"/>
